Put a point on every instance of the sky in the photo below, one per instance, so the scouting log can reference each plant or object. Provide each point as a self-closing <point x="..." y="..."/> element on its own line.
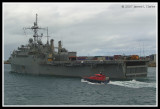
<point x="90" y="29"/>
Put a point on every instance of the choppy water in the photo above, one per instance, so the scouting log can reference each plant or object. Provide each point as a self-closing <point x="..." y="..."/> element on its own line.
<point x="26" y="90"/>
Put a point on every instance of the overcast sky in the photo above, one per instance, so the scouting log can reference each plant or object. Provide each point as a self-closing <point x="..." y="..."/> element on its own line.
<point x="91" y="29"/>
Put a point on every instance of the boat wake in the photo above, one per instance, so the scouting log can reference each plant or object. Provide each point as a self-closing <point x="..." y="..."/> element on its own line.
<point x="133" y="84"/>
<point x="82" y="80"/>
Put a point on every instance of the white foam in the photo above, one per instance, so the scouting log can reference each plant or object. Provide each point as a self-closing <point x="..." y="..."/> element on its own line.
<point x="82" y="80"/>
<point x="133" y="84"/>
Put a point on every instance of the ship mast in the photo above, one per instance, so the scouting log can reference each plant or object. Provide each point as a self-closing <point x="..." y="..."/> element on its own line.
<point x="47" y="36"/>
<point x="35" y="28"/>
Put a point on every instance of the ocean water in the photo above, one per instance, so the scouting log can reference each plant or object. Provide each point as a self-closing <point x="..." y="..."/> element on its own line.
<point x="32" y="90"/>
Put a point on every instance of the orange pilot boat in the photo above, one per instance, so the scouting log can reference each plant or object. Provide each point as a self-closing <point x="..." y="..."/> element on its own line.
<point x="98" y="78"/>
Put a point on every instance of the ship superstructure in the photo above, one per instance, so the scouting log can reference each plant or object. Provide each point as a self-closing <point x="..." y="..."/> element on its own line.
<point x="39" y="58"/>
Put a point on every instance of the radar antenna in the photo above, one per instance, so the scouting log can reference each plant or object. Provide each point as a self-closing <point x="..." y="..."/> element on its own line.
<point x="35" y="28"/>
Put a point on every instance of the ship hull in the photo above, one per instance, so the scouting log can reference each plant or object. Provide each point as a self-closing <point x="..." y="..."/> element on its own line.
<point x="112" y="69"/>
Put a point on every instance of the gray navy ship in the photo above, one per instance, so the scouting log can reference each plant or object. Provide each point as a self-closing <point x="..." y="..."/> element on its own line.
<point x="43" y="59"/>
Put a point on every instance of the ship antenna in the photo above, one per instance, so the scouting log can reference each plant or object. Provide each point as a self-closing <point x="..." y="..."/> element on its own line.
<point x="47" y="36"/>
<point x="36" y="19"/>
<point x="35" y="29"/>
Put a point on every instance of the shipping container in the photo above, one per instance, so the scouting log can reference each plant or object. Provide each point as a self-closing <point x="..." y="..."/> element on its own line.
<point x="109" y="58"/>
<point x="152" y="57"/>
<point x="89" y="58"/>
<point x="95" y="58"/>
<point x="101" y="58"/>
<point x="142" y="58"/>
<point x="116" y="57"/>
<point x="148" y="57"/>
<point x="134" y="57"/>
<point x="81" y="58"/>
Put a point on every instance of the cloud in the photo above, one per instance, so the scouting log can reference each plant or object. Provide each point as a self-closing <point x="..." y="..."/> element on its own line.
<point x="88" y="28"/>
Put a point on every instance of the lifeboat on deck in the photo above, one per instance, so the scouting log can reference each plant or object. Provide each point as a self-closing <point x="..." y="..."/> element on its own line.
<point x="97" y="78"/>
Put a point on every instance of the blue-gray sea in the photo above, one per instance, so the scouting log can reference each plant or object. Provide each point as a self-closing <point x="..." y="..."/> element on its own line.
<point x="34" y="90"/>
